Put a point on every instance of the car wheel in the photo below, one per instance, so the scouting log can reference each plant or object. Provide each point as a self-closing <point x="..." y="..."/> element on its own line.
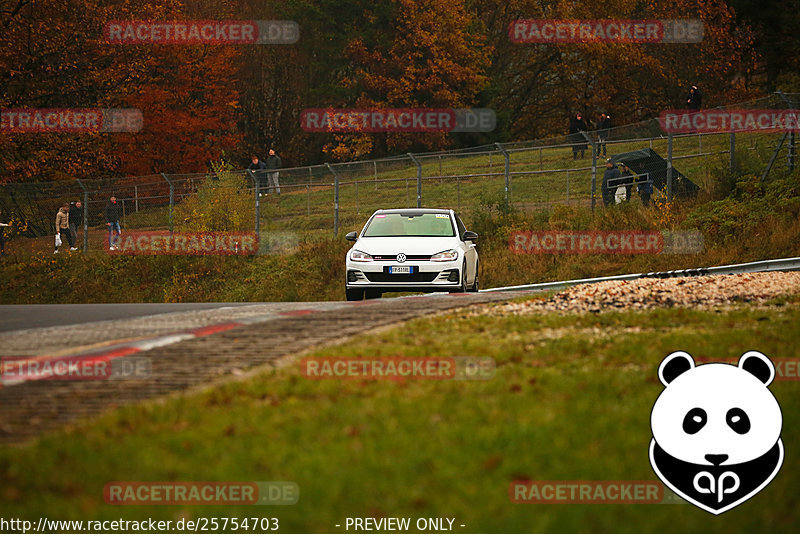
<point x="474" y="287"/>
<point x="372" y="294"/>
<point x="354" y="294"/>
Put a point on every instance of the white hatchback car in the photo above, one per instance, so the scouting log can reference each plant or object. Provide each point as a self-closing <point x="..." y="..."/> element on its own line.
<point x="411" y="250"/>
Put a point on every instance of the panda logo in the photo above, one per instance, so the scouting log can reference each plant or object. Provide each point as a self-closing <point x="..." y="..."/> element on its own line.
<point x="716" y="430"/>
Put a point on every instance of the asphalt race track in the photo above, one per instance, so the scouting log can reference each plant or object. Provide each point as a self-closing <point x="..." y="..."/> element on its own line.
<point x="189" y="348"/>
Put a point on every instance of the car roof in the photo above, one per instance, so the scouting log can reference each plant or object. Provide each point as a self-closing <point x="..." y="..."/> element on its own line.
<point x="414" y="210"/>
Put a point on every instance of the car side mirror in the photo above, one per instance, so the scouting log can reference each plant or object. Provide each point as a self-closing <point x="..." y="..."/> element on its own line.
<point x="469" y="236"/>
<point x="352" y="236"/>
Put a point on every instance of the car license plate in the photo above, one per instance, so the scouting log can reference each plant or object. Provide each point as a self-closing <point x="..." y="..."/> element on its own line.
<point x="401" y="269"/>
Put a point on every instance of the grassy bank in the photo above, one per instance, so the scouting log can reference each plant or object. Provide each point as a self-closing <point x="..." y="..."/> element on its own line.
<point x="570" y="400"/>
<point x="740" y="219"/>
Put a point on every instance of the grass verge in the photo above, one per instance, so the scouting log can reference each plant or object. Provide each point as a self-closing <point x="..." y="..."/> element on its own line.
<point x="571" y="400"/>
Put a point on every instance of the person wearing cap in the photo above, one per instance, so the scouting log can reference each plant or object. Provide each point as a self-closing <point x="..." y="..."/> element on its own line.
<point x="610" y="178"/>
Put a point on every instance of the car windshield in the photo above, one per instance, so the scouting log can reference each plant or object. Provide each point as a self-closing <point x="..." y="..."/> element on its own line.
<point x="410" y="224"/>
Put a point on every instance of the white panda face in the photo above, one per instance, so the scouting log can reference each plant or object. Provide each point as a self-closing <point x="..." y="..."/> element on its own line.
<point x="716" y="414"/>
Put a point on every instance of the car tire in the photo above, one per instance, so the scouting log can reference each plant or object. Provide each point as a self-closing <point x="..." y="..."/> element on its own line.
<point x="372" y="294"/>
<point x="474" y="287"/>
<point x="354" y="294"/>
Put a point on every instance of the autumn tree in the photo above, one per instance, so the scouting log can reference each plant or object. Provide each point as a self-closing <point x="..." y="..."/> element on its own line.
<point x="53" y="55"/>
<point x="540" y="85"/>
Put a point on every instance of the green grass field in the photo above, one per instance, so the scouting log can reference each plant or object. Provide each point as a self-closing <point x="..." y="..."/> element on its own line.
<point x="570" y="400"/>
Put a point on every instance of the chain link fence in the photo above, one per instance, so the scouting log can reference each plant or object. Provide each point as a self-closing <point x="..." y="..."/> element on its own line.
<point x="325" y="199"/>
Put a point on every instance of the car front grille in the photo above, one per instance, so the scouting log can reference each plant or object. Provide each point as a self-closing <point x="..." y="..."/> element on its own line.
<point x="414" y="277"/>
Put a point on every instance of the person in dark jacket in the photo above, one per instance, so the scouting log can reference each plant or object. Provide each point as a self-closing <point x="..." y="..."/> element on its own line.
<point x="3" y="226"/>
<point x="576" y="126"/>
<point x="259" y="167"/>
<point x="610" y="183"/>
<point x="603" y="132"/>
<point x="626" y="179"/>
<point x="113" y="213"/>
<point x="273" y="164"/>
<point x="695" y="99"/>
<point x="75" y="218"/>
<point x="645" y="188"/>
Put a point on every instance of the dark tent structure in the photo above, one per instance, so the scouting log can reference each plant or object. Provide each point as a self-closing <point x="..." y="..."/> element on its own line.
<point x="647" y="161"/>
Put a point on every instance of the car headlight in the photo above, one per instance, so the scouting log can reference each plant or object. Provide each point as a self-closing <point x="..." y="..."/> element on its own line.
<point x="357" y="255"/>
<point x="447" y="255"/>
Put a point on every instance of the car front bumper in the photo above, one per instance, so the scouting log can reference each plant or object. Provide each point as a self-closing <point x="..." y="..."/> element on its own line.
<point x="426" y="275"/>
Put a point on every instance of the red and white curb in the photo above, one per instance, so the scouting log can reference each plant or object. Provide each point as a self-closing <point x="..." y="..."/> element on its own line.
<point x="46" y="368"/>
<point x="103" y="355"/>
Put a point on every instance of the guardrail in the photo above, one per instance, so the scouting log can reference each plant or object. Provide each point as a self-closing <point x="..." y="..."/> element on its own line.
<point x="783" y="264"/>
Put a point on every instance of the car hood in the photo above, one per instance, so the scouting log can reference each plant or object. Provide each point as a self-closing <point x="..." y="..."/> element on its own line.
<point x="408" y="245"/>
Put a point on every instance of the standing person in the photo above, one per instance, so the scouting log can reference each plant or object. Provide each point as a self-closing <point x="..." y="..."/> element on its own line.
<point x="576" y="126"/>
<point x="62" y="228"/>
<point x="626" y="179"/>
<point x="645" y="188"/>
<point x="113" y="213"/>
<point x="610" y="179"/>
<point x="695" y="99"/>
<point x="3" y="226"/>
<point x="603" y="132"/>
<point x="273" y="163"/>
<point x="258" y="167"/>
<point x="75" y="219"/>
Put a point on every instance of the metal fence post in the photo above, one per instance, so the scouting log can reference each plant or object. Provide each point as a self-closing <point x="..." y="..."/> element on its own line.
<point x="171" y="199"/>
<point x="507" y="171"/>
<point x="335" y="199"/>
<point x="669" y="167"/>
<point x="419" y="178"/>
<point x="85" y="216"/>
<point x="257" y="190"/>
<point x="774" y="156"/>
